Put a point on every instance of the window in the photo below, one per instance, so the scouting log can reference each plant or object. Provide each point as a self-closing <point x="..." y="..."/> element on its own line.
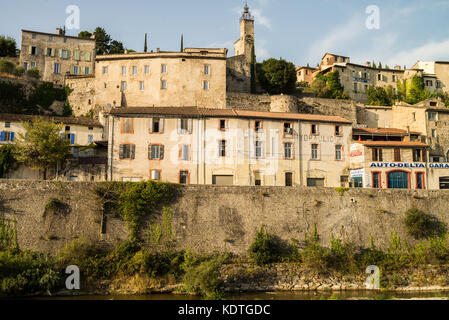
<point x="258" y="126"/>
<point x="127" y="151"/>
<point x="206" y="69"/>
<point x="376" y="179"/>
<point x="355" y="87"/>
<point x="123" y="85"/>
<point x="429" y="83"/>
<point x="288" y="154"/>
<point x="147" y="69"/>
<point x="155" y="174"/>
<point x="314" y="152"/>
<point x="76" y="55"/>
<point x="338" y="131"/>
<point x="222" y="148"/>
<point x="222" y="125"/>
<point x="57" y="68"/>
<point x="7" y="124"/>
<point x="33" y="50"/>
<point x="25" y="66"/>
<point x="315" y="182"/>
<point x="434" y="133"/>
<point x="432" y="116"/>
<point x="397" y="154"/>
<point x="420" y="180"/>
<point x="127" y="125"/>
<point x="105" y="70"/>
<point x="7" y="136"/>
<point x="344" y="181"/>
<point x="90" y="138"/>
<point x="142" y="85"/>
<point x="184" y="152"/>
<point x="379" y="77"/>
<point x="163" y="84"/>
<point x="288" y="128"/>
<point x="156" y="125"/>
<point x="123" y="70"/>
<point x="49" y="51"/>
<point x="206" y="85"/>
<point x="64" y="54"/>
<point x="33" y="64"/>
<point x="377" y="154"/>
<point x="257" y="178"/>
<point x="184" y="177"/>
<point x="33" y="36"/>
<point x="155" y="152"/>
<point x="75" y="70"/>
<point x="398" y="180"/>
<point x="185" y="125"/>
<point x="87" y="56"/>
<point x="314" y="129"/>
<point x="357" y="182"/>
<point x="163" y="68"/>
<point x="288" y="179"/>
<point x="258" y="149"/>
<point x="393" y="78"/>
<point x="134" y="70"/>
<point x="419" y="155"/>
<point x="338" y="149"/>
<point x="86" y="70"/>
<point x="90" y="128"/>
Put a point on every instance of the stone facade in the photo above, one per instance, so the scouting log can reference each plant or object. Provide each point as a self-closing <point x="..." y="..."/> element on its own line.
<point x="56" y="55"/>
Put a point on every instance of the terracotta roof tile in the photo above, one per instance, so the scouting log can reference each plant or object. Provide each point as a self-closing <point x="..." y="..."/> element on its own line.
<point x="393" y="143"/>
<point x="391" y="131"/>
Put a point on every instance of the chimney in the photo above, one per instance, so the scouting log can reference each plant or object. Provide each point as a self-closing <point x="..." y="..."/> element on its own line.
<point x="158" y="49"/>
<point x="59" y="31"/>
<point x="368" y="64"/>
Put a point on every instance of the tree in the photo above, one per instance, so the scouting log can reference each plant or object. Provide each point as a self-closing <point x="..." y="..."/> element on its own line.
<point x="416" y="91"/>
<point x="102" y="41"/>
<point x="378" y="96"/>
<point x="7" y="66"/>
<point x="277" y="76"/>
<point x="84" y="34"/>
<point x="253" y="70"/>
<point x="7" y="160"/>
<point x="380" y="65"/>
<point x="8" y="47"/>
<point x="145" y="48"/>
<point x="374" y="65"/>
<point x="42" y="146"/>
<point x="320" y="88"/>
<point x="182" y="43"/>
<point x="33" y="73"/>
<point x="329" y="86"/>
<point x="116" y="47"/>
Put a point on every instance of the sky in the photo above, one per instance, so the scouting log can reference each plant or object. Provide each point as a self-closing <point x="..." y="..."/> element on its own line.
<point x="296" y="30"/>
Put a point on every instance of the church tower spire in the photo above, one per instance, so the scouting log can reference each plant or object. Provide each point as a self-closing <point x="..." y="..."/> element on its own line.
<point x="245" y="43"/>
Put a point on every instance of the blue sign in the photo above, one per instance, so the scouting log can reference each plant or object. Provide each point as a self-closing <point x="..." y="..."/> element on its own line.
<point x="409" y="165"/>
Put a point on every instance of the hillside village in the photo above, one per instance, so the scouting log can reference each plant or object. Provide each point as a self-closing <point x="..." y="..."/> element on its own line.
<point x="198" y="116"/>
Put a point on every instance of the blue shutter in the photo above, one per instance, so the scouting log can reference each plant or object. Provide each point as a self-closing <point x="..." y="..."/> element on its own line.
<point x="72" y="138"/>
<point x="12" y="136"/>
<point x="1" y="136"/>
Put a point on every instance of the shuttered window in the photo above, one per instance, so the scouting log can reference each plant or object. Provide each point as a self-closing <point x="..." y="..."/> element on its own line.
<point x="127" y="151"/>
<point x="397" y="154"/>
<point x="185" y="125"/>
<point x="155" y="152"/>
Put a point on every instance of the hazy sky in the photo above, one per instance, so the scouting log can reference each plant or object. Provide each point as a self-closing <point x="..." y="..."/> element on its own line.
<point x="296" y="30"/>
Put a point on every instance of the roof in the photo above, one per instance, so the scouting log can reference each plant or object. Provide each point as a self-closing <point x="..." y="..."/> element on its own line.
<point x="82" y="121"/>
<point x="332" y="54"/>
<point x="57" y="35"/>
<point x="382" y="131"/>
<point x="234" y="113"/>
<point x="393" y="143"/>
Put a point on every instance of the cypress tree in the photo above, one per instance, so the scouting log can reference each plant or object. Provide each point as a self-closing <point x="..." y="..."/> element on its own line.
<point x="253" y="70"/>
<point x="145" y="45"/>
<point x="374" y="65"/>
<point x="182" y="42"/>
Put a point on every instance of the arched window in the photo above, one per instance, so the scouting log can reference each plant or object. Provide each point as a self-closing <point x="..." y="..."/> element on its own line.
<point x="398" y="180"/>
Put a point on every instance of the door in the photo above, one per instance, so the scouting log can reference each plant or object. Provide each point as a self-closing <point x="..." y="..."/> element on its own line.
<point x="288" y="179"/>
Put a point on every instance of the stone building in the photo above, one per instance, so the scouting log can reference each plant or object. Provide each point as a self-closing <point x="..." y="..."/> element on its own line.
<point x="305" y="74"/>
<point x="438" y="70"/>
<point x="57" y="55"/>
<point x="88" y="149"/>
<point x="208" y="146"/>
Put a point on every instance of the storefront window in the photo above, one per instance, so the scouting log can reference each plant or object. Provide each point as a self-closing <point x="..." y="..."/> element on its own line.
<point x="398" y="180"/>
<point x="357" y="182"/>
<point x="376" y="180"/>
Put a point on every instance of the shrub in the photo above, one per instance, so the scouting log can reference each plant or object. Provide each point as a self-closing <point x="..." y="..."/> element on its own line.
<point x="7" y="66"/>
<point x="19" y="71"/>
<point x="264" y="249"/>
<point x="421" y="225"/>
<point x="33" y="73"/>
<point x="205" y="279"/>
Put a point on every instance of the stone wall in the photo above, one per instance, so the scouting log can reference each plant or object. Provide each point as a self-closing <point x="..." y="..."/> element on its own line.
<point x="238" y="74"/>
<point x="247" y="101"/>
<point x="208" y="218"/>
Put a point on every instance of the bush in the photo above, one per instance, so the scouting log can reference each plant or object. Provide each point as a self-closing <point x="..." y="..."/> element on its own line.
<point x="19" y="71"/>
<point x="7" y="66"/>
<point x="421" y="225"/>
<point x="205" y="279"/>
<point x="33" y="73"/>
<point x="264" y="249"/>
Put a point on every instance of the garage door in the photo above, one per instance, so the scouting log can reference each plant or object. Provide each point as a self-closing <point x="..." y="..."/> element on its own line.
<point x="223" y="180"/>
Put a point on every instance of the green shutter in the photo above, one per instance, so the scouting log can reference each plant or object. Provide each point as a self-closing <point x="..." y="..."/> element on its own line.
<point x="87" y="56"/>
<point x="29" y="49"/>
<point x="161" y="153"/>
<point x="149" y="152"/>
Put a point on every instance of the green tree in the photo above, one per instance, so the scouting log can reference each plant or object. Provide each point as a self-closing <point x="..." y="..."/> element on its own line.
<point x="7" y="66"/>
<point x="374" y="65"/>
<point x="145" y="48"/>
<point x="116" y="47"/>
<point x="380" y="65"/>
<point x="102" y="41"/>
<point x="329" y="86"/>
<point x="84" y="34"/>
<point x="8" y="47"/>
<point x="7" y="159"/>
<point x="42" y="146"/>
<point x="416" y="91"/>
<point x="320" y="88"/>
<point x="253" y="70"/>
<point x="377" y="96"/>
<point x="33" y="73"/>
<point x="182" y="43"/>
<point x="277" y="76"/>
<point x="402" y="90"/>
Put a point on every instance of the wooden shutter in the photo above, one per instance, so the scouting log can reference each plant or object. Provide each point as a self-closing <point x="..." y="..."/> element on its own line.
<point x="179" y="125"/>
<point x="133" y="151"/>
<point x="380" y="155"/>
<point x="161" y="153"/>
<point x="121" y="151"/>
<point x="149" y="152"/>
<point x="12" y="136"/>
<point x="87" y="56"/>
<point x="424" y="155"/>
<point x="189" y="125"/>
<point x="397" y="154"/>
<point x="46" y="52"/>
<point x="37" y="51"/>
<point x="53" y="52"/>
<point x="374" y="154"/>
<point x="150" y="125"/>
<point x="2" y="136"/>
<point x="30" y="48"/>
<point x="161" y="125"/>
<point x="72" y="138"/>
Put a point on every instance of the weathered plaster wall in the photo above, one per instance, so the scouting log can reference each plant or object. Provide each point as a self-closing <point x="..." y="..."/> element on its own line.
<point x="207" y="218"/>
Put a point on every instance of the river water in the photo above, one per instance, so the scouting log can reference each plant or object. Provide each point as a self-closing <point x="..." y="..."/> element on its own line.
<point x="344" y="295"/>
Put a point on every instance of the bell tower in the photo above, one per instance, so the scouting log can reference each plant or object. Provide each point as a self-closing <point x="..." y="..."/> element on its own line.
<point x="243" y="45"/>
